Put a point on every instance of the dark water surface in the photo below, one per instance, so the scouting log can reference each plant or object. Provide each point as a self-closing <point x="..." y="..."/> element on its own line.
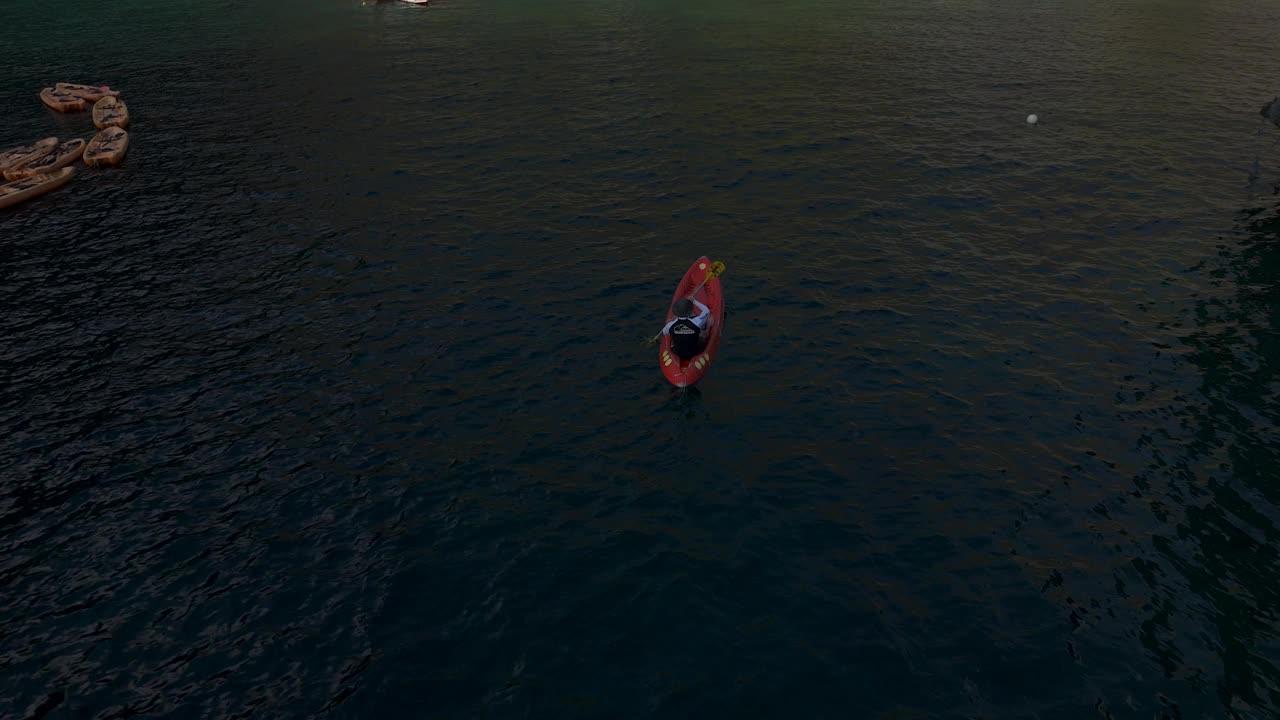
<point x="333" y="401"/>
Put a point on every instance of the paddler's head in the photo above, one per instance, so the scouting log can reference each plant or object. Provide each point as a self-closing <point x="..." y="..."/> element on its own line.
<point x="683" y="308"/>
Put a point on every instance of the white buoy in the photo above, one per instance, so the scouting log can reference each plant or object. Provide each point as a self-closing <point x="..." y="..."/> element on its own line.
<point x="1032" y="119"/>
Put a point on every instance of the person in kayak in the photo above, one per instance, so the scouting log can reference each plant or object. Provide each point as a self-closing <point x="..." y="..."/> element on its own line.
<point x="686" y="329"/>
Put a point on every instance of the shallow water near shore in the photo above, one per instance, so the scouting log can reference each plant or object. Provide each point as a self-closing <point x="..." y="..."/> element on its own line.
<point x="333" y="399"/>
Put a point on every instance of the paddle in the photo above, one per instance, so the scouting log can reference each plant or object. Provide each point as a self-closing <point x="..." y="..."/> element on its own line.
<point x="714" y="271"/>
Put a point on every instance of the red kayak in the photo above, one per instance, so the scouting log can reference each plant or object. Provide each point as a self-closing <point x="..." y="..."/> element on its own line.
<point x="683" y="373"/>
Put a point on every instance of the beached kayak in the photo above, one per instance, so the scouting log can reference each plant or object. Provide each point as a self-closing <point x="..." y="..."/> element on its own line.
<point x="686" y="372"/>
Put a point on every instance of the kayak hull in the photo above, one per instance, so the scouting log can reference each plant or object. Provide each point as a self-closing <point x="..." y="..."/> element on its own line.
<point x="107" y="147"/>
<point x="61" y="101"/>
<point x="91" y="93"/>
<point x="12" y="193"/>
<point x="109" y="111"/>
<point x="684" y="373"/>
<point x="63" y="155"/>
<point x="27" y="153"/>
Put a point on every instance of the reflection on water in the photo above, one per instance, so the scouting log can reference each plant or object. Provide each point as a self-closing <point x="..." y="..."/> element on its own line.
<point x="1193" y="537"/>
<point x="1214" y="482"/>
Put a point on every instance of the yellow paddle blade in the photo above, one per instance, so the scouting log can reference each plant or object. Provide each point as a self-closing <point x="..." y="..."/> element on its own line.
<point x="717" y="267"/>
